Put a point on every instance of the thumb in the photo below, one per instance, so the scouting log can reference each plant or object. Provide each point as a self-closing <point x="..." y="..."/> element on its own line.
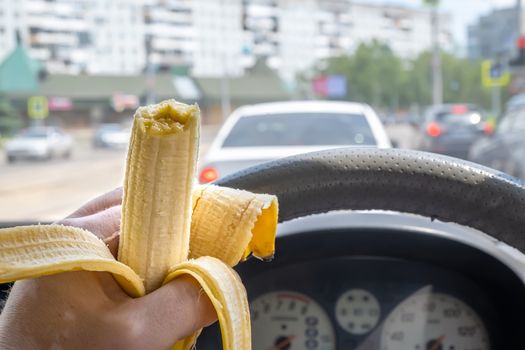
<point x="173" y="312"/>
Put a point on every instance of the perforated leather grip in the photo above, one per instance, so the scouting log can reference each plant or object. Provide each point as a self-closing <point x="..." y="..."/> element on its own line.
<point x="421" y="183"/>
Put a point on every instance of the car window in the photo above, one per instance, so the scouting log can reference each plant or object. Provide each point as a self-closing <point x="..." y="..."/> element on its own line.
<point x="506" y="123"/>
<point x="518" y="123"/>
<point x="308" y="129"/>
<point x="513" y="121"/>
<point x="462" y="119"/>
<point x="34" y="134"/>
<point x="74" y="72"/>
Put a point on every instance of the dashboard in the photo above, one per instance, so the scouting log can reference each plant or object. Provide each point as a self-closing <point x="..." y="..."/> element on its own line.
<point x="342" y="303"/>
<point x="382" y="281"/>
<point x="384" y="288"/>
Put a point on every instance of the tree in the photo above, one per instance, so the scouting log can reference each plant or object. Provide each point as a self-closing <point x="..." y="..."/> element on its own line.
<point x="376" y="76"/>
<point x="10" y="119"/>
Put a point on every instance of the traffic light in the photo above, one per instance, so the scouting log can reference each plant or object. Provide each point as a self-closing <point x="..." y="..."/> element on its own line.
<point x="520" y="59"/>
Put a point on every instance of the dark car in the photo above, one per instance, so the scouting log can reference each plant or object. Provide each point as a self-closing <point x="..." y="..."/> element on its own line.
<point x="452" y="129"/>
<point x="505" y="150"/>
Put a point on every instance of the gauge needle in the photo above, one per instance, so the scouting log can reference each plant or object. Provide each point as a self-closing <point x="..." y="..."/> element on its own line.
<point x="437" y="343"/>
<point x="283" y="343"/>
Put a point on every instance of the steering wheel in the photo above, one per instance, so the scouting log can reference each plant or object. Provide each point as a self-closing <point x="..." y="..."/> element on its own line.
<point x="430" y="185"/>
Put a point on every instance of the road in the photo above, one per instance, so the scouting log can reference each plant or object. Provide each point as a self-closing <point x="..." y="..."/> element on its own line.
<point x="47" y="191"/>
<point x="403" y="135"/>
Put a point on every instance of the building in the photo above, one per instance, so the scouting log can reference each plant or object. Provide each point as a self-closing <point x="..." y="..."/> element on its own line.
<point x="218" y="37"/>
<point x="297" y="30"/>
<point x="333" y="29"/>
<point x="116" y="36"/>
<point x="494" y="35"/>
<point x="56" y="33"/>
<point x="169" y="35"/>
<point x="68" y="36"/>
<point x="406" y="31"/>
<point x="292" y="35"/>
<point x="209" y="38"/>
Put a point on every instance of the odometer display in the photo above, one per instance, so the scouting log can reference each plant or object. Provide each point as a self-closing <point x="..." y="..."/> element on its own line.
<point x="290" y="321"/>
<point x="433" y="321"/>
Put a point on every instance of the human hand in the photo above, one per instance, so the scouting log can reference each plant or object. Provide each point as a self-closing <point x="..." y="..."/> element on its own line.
<point x="88" y="310"/>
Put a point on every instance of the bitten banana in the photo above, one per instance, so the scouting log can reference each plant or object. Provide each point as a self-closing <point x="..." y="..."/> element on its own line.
<point x="156" y="207"/>
<point x="159" y="233"/>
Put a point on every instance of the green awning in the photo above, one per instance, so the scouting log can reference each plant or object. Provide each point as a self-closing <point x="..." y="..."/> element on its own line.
<point x="19" y="73"/>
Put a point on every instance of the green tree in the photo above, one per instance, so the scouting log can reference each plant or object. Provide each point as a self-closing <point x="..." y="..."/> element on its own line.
<point x="461" y="81"/>
<point x="374" y="74"/>
<point x="10" y="119"/>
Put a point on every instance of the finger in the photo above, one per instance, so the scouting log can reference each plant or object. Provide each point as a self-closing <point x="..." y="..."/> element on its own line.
<point x="100" y="203"/>
<point x="173" y="312"/>
<point x="112" y="242"/>
<point x="103" y="224"/>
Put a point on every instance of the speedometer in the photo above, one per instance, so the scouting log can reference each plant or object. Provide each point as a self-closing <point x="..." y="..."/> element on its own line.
<point x="433" y="321"/>
<point x="290" y="321"/>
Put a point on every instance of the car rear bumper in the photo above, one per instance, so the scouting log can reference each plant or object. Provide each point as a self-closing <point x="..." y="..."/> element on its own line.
<point x="27" y="154"/>
<point x="458" y="149"/>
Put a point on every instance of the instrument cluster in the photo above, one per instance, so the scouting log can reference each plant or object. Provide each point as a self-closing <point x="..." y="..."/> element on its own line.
<point x="368" y="304"/>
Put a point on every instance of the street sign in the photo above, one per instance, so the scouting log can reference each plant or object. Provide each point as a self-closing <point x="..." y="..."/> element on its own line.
<point x="37" y="107"/>
<point x="494" y="74"/>
<point x="333" y="86"/>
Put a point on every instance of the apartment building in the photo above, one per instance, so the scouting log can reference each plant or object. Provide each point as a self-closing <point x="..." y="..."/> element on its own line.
<point x="169" y="33"/>
<point x="72" y="36"/>
<point x="209" y="37"/>
<point x="55" y="32"/>
<point x="218" y="37"/>
<point x="116" y="36"/>
<point x="292" y="35"/>
<point x="494" y="36"/>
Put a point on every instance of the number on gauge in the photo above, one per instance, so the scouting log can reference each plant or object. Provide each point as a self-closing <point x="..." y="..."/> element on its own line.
<point x="290" y="321"/>
<point x="357" y="311"/>
<point x="434" y="321"/>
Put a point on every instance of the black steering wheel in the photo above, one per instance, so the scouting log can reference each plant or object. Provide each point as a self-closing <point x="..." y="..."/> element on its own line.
<point x="414" y="182"/>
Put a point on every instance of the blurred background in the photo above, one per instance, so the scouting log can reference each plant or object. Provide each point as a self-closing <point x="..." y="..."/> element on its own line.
<point x="443" y="76"/>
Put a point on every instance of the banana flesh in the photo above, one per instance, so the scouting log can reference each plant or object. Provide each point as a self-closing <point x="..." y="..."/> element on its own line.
<point x="156" y="207"/>
<point x="165" y="222"/>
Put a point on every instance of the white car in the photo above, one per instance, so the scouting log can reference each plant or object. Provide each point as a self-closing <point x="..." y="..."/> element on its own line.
<point x="262" y="132"/>
<point x="113" y="136"/>
<point x="39" y="143"/>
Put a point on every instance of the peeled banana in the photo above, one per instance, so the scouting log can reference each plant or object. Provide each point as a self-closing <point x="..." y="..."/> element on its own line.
<point x="169" y="227"/>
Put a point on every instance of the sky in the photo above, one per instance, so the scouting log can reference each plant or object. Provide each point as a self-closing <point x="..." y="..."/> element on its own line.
<point x="464" y="12"/>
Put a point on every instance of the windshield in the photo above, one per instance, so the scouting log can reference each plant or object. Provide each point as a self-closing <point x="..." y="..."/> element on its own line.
<point x="308" y="129"/>
<point x="433" y="76"/>
<point x="34" y="134"/>
<point x="464" y="118"/>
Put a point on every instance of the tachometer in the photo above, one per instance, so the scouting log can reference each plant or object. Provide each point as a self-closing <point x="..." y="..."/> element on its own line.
<point x="434" y="321"/>
<point x="290" y="321"/>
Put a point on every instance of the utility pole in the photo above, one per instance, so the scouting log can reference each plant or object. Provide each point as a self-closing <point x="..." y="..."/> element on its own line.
<point x="225" y="80"/>
<point x="518" y="22"/>
<point x="437" y="79"/>
<point x="150" y="74"/>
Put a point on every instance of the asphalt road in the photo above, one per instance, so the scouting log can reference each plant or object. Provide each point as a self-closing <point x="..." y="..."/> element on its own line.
<point x="49" y="190"/>
<point x="46" y="191"/>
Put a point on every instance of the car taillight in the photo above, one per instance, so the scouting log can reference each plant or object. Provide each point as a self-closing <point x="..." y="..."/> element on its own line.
<point x="434" y="130"/>
<point x="208" y="174"/>
<point x="488" y="128"/>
